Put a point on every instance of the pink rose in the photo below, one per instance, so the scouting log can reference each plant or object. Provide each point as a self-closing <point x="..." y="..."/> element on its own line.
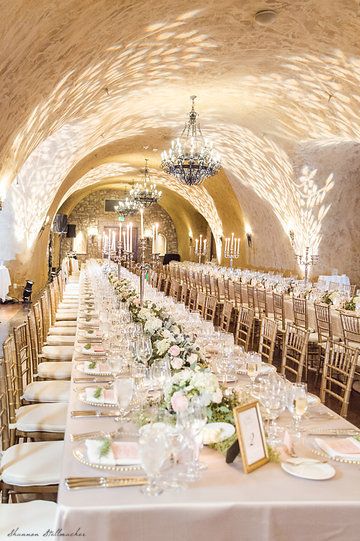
<point x="177" y="363"/>
<point x="179" y="402"/>
<point x="174" y="351"/>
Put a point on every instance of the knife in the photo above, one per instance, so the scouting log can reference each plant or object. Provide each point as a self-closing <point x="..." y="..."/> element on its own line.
<point x="335" y="432"/>
<point x="93" y="413"/>
<point x="93" y="380"/>
<point x="103" y="482"/>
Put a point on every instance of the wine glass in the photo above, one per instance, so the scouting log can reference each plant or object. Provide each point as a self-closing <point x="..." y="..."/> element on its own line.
<point x="153" y="448"/>
<point x="274" y="399"/>
<point x="252" y="368"/>
<point x="143" y="349"/>
<point x="123" y="389"/>
<point x="298" y="405"/>
<point x="192" y="421"/>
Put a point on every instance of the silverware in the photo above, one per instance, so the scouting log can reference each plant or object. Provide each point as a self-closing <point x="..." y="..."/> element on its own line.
<point x="93" y="380"/>
<point x="73" y="483"/>
<point x="334" y="432"/>
<point x="301" y="462"/>
<point x="86" y="435"/>
<point x="93" y="413"/>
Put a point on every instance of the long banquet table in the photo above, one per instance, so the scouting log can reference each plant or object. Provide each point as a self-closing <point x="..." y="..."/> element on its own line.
<point x="226" y="504"/>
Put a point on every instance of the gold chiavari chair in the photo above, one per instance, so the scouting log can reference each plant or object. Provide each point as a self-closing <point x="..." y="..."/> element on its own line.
<point x="207" y="283"/>
<point x="175" y="290"/>
<point x="262" y="302"/>
<point x="301" y="319"/>
<point x="184" y="296"/>
<point x="268" y="332"/>
<point x="294" y="352"/>
<point x="238" y="295"/>
<point x="54" y="336"/>
<point x="279" y="311"/>
<point x="50" y="352"/>
<point x="228" y="317"/>
<point x="213" y="286"/>
<point x="192" y="298"/>
<point x="338" y="374"/>
<point x="231" y="292"/>
<point x="244" y="327"/>
<point x="212" y="309"/>
<point x="222" y="289"/>
<point x="300" y="313"/>
<point x="33" y="421"/>
<point x="201" y="302"/>
<point x="251" y="298"/>
<point x="351" y="329"/>
<point x="30" y="467"/>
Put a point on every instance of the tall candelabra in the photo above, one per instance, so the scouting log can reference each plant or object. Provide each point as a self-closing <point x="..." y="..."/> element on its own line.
<point x="307" y="261"/>
<point x="232" y="249"/>
<point x="200" y="247"/>
<point x="144" y="267"/>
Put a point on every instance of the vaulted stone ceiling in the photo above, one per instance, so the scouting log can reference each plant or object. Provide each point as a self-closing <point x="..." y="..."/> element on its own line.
<point x="78" y="75"/>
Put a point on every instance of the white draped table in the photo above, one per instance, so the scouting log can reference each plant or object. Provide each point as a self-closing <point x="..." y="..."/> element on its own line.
<point x="225" y="505"/>
<point x="5" y="282"/>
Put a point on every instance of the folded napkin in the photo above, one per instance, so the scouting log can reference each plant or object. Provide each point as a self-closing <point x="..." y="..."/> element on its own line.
<point x="343" y="447"/>
<point x="111" y="453"/>
<point x="91" y="333"/>
<point x="89" y="322"/>
<point x="98" y="369"/>
<point x="100" y="396"/>
<point x="93" y="350"/>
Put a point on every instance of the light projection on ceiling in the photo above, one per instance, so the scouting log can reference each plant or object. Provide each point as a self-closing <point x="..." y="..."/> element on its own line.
<point x="264" y="90"/>
<point x="198" y="197"/>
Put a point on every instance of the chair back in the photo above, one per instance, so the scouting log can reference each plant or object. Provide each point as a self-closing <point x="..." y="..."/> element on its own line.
<point x="338" y="374"/>
<point x="244" y="327"/>
<point x="175" y="289"/>
<point x="33" y="342"/>
<point x="268" y="330"/>
<point x="23" y="355"/>
<point x="12" y="383"/>
<point x="192" y="298"/>
<point x="251" y="296"/>
<point x="201" y="302"/>
<point x="294" y="352"/>
<point x="45" y="312"/>
<point x="39" y="325"/>
<point x="262" y="301"/>
<point x="231" y="291"/>
<point x="279" y="309"/>
<point x="238" y="295"/>
<point x="4" y="416"/>
<point x="227" y="316"/>
<point x="323" y="321"/>
<point x="300" y="313"/>
<point x="351" y="327"/>
<point x="210" y="308"/>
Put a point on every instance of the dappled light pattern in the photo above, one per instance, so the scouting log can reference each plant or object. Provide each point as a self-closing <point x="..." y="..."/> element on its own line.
<point x="196" y="196"/>
<point x="91" y="73"/>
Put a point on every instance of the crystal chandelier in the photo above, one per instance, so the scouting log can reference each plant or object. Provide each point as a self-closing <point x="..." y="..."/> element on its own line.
<point x="145" y="193"/>
<point x="127" y="207"/>
<point x="191" y="159"/>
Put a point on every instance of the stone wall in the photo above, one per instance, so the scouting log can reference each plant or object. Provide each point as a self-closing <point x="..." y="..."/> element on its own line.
<point x="90" y="212"/>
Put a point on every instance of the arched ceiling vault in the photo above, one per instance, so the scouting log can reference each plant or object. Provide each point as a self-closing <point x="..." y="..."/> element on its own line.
<point x="77" y="75"/>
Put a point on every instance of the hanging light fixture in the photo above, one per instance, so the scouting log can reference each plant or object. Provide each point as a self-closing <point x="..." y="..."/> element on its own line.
<point x="191" y="158"/>
<point x="145" y="193"/>
<point x="127" y="207"/>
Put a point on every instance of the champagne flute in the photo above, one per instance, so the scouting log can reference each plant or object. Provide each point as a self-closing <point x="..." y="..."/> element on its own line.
<point x="298" y="405"/>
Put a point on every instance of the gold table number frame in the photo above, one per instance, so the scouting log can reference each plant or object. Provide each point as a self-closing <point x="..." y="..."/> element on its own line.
<point x="251" y="436"/>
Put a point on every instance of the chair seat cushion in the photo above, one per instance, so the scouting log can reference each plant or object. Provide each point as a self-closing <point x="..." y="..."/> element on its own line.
<point x="61" y="353"/>
<point x="71" y="324"/>
<point x="35" y="463"/>
<point x="313" y="337"/>
<point x="47" y="391"/>
<point x="67" y="305"/>
<point x="59" y="331"/>
<point x="66" y="316"/>
<point x="36" y="517"/>
<point x="42" y="417"/>
<point x="54" y="370"/>
<point x="60" y="340"/>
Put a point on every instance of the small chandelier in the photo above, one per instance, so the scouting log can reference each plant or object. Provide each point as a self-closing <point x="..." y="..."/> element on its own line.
<point x="127" y="207"/>
<point x="191" y="159"/>
<point x="145" y="193"/>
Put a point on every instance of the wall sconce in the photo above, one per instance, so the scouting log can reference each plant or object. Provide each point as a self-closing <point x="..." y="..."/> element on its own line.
<point x="248" y="233"/>
<point x="93" y="232"/>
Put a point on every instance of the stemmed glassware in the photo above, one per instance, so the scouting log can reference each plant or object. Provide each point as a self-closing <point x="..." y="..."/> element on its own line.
<point x="123" y="389"/>
<point x="253" y="363"/>
<point x="298" y="405"/>
<point x="192" y="421"/>
<point x="153" y="446"/>
<point x="143" y="349"/>
<point x="272" y="394"/>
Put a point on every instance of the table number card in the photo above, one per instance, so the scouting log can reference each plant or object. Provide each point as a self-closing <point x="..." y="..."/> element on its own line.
<point x="251" y="436"/>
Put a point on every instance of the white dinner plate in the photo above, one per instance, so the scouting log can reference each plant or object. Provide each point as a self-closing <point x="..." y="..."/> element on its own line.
<point x="81" y="368"/>
<point x="80" y="453"/>
<point x="217" y="432"/>
<point x="309" y="469"/>
<point x="83" y="399"/>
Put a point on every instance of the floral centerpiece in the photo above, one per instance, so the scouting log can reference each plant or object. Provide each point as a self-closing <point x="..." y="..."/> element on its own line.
<point x="352" y="303"/>
<point x="123" y="288"/>
<point x="331" y="297"/>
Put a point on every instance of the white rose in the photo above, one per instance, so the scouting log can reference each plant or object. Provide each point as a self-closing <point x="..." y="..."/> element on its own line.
<point x="162" y="346"/>
<point x="192" y="359"/>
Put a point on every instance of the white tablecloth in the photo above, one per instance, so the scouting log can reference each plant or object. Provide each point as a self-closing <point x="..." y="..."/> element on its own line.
<point x="5" y="282"/>
<point x="342" y="280"/>
<point x="225" y="505"/>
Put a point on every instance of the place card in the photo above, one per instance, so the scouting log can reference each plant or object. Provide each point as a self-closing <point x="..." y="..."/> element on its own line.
<point x="251" y="436"/>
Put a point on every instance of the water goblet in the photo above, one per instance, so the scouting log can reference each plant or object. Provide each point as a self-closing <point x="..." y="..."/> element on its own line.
<point x="154" y="451"/>
<point x="123" y="389"/>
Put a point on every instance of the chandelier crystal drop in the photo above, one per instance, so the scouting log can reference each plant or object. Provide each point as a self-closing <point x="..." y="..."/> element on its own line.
<point x="127" y="207"/>
<point x="145" y="193"/>
<point x="191" y="158"/>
